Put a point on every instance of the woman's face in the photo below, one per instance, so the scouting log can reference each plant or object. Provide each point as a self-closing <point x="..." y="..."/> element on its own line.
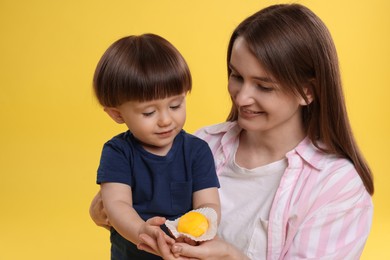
<point x="262" y="103"/>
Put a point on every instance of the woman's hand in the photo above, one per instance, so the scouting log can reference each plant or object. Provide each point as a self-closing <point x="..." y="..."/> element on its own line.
<point x="212" y="249"/>
<point x="98" y="213"/>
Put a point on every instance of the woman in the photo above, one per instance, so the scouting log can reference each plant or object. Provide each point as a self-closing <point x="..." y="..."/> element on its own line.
<point x="293" y="182"/>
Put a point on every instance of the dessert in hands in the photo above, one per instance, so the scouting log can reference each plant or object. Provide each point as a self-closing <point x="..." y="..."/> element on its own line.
<point x="198" y="225"/>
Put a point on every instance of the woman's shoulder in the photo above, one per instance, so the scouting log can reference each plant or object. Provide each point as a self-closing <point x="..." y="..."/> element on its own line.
<point x="333" y="177"/>
<point x="316" y="156"/>
<point x="216" y="129"/>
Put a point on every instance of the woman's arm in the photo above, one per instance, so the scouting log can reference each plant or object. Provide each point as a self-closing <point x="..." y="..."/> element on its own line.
<point x="333" y="233"/>
<point x="98" y="213"/>
<point x="334" y="217"/>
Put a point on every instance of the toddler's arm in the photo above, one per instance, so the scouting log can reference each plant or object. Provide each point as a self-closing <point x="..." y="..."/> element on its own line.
<point x="117" y="200"/>
<point x="207" y="198"/>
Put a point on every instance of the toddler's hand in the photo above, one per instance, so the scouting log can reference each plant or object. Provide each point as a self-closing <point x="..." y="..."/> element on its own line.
<point x="150" y="234"/>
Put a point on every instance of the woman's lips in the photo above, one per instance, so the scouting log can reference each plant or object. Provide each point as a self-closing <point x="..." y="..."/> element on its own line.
<point x="247" y="113"/>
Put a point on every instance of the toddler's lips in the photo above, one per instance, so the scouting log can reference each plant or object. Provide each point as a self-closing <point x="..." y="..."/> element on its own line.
<point x="165" y="133"/>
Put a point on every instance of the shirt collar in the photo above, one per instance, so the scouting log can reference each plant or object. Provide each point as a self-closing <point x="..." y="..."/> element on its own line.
<point x="305" y="149"/>
<point x="309" y="153"/>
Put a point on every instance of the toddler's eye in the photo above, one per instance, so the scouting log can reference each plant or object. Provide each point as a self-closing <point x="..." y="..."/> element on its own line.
<point x="176" y="107"/>
<point x="148" y="114"/>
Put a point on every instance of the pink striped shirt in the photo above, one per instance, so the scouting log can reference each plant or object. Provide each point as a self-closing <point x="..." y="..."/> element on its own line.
<point x="321" y="209"/>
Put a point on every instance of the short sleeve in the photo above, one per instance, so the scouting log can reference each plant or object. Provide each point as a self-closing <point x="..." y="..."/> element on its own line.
<point x="203" y="168"/>
<point x="115" y="164"/>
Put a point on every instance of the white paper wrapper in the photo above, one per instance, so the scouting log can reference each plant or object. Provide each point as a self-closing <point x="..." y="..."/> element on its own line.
<point x="211" y="216"/>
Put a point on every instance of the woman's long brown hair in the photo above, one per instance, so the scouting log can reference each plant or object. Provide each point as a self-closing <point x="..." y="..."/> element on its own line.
<point x="295" y="46"/>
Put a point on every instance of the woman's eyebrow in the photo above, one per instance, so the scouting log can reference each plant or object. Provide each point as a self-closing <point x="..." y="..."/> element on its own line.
<point x="264" y="79"/>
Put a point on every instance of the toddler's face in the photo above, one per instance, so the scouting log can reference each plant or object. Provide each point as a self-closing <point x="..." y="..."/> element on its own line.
<point x="155" y="123"/>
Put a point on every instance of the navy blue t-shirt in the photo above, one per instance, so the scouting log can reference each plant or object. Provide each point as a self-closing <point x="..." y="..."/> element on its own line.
<point x="161" y="185"/>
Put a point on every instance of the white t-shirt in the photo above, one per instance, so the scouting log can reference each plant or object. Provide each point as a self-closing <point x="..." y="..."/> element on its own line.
<point x="246" y="198"/>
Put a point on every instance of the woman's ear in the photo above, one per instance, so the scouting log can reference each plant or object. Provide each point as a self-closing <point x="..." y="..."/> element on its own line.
<point x="115" y="114"/>
<point x="309" y="96"/>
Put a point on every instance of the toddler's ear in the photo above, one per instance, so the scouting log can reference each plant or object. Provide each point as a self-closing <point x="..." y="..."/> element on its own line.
<point x="115" y="114"/>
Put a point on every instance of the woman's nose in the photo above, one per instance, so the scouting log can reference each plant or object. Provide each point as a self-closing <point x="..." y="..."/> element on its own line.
<point x="244" y="96"/>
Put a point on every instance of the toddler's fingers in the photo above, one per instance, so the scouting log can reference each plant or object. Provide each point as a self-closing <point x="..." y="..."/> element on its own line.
<point x="147" y="244"/>
<point x="170" y="241"/>
<point x="156" y="221"/>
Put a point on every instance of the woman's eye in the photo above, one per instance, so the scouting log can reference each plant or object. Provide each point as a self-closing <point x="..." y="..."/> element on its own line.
<point x="264" y="88"/>
<point x="235" y="76"/>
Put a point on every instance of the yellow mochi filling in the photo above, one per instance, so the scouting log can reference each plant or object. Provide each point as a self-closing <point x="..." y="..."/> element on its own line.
<point x="193" y="223"/>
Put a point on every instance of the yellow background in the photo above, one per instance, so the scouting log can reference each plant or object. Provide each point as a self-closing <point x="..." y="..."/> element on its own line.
<point x="52" y="129"/>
